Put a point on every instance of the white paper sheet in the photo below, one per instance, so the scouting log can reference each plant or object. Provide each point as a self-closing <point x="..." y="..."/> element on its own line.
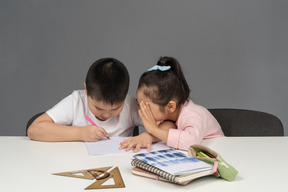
<point x="111" y="146"/>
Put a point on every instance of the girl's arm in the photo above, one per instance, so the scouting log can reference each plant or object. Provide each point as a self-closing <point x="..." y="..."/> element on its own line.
<point x="191" y="131"/>
<point x="145" y="139"/>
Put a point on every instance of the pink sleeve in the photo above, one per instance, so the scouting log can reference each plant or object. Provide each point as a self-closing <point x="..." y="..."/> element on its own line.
<point x="190" y="131"/>
<point x="194" y="124"/>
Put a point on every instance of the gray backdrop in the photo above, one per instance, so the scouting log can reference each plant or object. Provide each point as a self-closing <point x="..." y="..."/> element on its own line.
<point x="234" y="52"/>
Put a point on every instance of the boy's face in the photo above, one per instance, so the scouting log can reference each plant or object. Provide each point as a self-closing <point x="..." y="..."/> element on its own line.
<point x="103" y="111"/>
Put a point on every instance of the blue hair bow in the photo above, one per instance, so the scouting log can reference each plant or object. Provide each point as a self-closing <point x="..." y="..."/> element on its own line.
<point x="158" y="67"/>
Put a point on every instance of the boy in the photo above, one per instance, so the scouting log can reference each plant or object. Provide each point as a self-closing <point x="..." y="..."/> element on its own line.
<point x="104" y="101"/>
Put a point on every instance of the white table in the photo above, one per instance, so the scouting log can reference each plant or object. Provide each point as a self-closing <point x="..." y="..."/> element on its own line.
<point x="28" y="166"/>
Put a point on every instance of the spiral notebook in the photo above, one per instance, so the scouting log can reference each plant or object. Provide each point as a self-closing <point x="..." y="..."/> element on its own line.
<point x="170" y="165"/>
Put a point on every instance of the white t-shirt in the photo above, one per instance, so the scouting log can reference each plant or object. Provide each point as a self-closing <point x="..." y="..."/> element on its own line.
<point x="71" y="111"/>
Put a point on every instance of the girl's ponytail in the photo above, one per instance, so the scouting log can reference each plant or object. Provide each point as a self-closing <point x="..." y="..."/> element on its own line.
<point x="177" y="70"/>
<point x="164" y="82"/>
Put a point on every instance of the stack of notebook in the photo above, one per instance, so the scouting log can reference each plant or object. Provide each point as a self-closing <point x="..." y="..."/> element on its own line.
<point x="170" y="165"/>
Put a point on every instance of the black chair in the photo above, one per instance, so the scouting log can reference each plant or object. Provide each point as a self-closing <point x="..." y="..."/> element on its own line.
<point x="241" y="122"/>
<point x="135" y="131"/>
<point x="30" y="121"/>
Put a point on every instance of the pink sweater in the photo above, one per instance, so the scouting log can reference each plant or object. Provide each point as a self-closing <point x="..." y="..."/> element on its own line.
<point x="194" y="124"/>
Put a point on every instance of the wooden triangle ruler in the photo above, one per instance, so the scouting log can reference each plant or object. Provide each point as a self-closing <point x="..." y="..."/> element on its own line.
<point x="101" y="175"/>
<point x="84" y="174"/>
<point x="115" y="174"/>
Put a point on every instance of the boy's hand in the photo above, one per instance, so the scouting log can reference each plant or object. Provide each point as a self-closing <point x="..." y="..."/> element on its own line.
<point x="143" y="140"/>
<point x="92" y="133"/>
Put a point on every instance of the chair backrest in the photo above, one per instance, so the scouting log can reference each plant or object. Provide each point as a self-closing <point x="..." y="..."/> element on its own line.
<point x="30" y="121"/>
<point x="241" y="122"/>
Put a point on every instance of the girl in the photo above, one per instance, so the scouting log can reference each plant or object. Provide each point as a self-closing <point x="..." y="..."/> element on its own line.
<point x="163" y="96"/>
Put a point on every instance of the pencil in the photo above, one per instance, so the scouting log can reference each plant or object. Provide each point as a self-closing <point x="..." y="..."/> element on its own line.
<point x="93" y="123"/>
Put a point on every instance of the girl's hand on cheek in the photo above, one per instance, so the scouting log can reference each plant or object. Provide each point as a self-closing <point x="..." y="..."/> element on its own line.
<point x="147" y="117"/>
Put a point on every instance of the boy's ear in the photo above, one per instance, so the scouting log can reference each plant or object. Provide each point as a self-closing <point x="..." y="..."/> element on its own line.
<point x="85" y="88"/>
<point x="171" y="106"/>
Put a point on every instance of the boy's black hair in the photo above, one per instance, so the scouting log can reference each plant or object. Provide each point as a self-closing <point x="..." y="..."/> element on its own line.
<point x="163" y="86"/>
<point x="107" y="81"/>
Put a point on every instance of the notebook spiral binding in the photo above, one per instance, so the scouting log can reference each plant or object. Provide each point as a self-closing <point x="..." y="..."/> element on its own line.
<point x="140" y="164"/>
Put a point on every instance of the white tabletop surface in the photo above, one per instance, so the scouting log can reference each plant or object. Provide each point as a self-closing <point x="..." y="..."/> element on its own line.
<point x="28" y="166"/>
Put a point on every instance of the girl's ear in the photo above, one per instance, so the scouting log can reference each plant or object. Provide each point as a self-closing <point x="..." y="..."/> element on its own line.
<point x="171" y="106"/>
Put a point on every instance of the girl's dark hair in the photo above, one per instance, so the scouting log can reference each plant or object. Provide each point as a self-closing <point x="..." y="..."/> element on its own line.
<point x="163" y="86"/>
<point x="107" y="80"/>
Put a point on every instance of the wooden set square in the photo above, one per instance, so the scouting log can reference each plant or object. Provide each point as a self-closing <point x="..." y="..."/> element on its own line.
<point x="101" y="175"/>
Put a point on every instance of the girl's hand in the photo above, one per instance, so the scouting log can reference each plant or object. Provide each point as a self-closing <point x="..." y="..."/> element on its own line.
<point x="92" y="133"/>
<point x="147" y="117"/>
<point x="143" y="140"/>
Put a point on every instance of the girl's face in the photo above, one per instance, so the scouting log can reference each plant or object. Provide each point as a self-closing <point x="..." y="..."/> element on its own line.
<point x="104" y="111"/>
<point x="158" y="115"/>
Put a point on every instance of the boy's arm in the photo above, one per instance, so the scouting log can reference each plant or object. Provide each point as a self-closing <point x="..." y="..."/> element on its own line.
<point x="44" y="129"/>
